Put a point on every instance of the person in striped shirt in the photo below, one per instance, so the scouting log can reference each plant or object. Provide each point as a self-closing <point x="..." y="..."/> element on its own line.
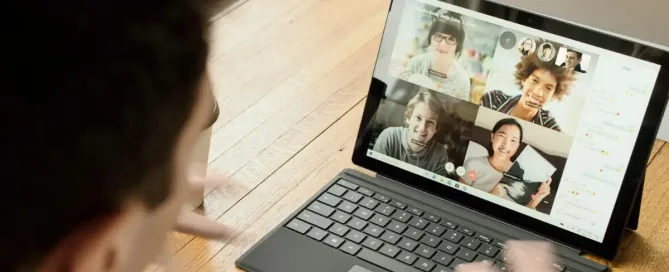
<point x="540" y="82"/>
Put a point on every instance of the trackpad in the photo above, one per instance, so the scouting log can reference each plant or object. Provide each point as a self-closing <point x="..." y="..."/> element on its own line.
<point x="358" y="269"/>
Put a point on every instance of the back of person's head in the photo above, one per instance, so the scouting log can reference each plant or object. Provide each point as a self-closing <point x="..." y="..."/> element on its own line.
<point x="530" y="63"/>
<point x="95" y="99"/>
<point x="451" y="24"/>
<point x="430" y="99"/>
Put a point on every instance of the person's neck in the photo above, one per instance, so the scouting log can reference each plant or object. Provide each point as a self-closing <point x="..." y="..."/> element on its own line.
<point x="500" y="165"/>
<point x="441" y="65"/>
<point x="524" y="114"/>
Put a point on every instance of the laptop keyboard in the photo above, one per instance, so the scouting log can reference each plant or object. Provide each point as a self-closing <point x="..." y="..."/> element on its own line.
<point x="394" y="235"/>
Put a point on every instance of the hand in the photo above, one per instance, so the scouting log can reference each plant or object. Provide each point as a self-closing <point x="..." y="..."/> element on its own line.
<point x="190" y="222"/>
<point x="523" y="257"/>
<point x="543" y="192"/>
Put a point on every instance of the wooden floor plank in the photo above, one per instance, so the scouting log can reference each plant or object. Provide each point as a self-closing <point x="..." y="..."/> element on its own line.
<point x="266" y="60"/>
<point x="307" y="88"/>
<point x="305" y="166"/>
<point x="656" y="149"/>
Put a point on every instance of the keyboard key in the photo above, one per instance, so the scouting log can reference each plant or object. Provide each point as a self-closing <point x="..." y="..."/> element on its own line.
<point x="456" y="263"/>
<point x="471" y="243"/>
<point x="435" y="229"/>
<point x="353" y="196"/>
<point x="347" y="184"/>
<point x="350" y="248"/>
<point x="384" y="262"/>
<point x="397" y="226"/>
<point x="385" y="209"/>
<point x="407" y="257"/>
<point x="432" y="217"/>
<point x="398" y="204"/>
<point x="407" y="244"/>
<point x="415" y="211"/>
<point x="369" y="203"/>
<point x="339" y="229"/>
<point x="466" y="254"/>
<point x="333" y="241"/>
<point x="440" y="268"/>
<point x="418" y="222"/>
<point x="329" y="199"/>
<point x="321" y="208"/>
<point x="425" y="251"/>
<point x="315" y="219"/>
<point x="347" y="207"/>
<point x="425" y="265"/>
<point x="453" y="236"/>
<point x="372" y="243"/>
<point x="442" y="258"/>
<point x="449" y="224"/>
<point x="449" y="247"/>
<point x="382" y="198"/>
<point x="413" y="233"/>
<point x="484" y="259"/>
<point x="402" y="216"/>
<point x="390" y="237"/>
<point x="357" y="223"/>
<point x="466" y="231"/>
<point x="389" y="250"/>
<point x="363" y="213"/>
<point x="340" y="217"/>
<point x="502" y="257"/>
<point x="502" y="267"/>
<point x="299" y="226"/>
<point x="317" y="234"/>
<point x="430" y="240"/>
<point x="499" y="244"/>
<point x="355" y="236"/>
<point x="489" y="250"/>
<point x="365" y="191"/>
<point x="337" y="190"/>
<point x="484" y="238"/>
<point x="380" y="220"/>
<point x="374" y="230"/>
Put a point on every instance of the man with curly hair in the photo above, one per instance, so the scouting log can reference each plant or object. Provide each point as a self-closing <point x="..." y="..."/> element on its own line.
<point x="540" y="82"/>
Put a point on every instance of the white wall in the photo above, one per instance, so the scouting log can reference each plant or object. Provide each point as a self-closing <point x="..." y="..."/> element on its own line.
<point x="644" y="20"/>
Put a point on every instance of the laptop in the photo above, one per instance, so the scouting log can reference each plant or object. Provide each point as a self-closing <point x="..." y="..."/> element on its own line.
<point x="484" y="124"/>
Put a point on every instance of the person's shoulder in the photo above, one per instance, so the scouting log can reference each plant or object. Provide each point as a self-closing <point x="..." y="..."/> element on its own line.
<point x="476" y="161"/>
<point x="549" y="120"/>
<point x="493" y="98"/>
<point x="391" y="132"/>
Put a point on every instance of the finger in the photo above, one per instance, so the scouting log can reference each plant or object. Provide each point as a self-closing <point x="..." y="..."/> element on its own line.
<point x="530" y="256"/>
<point x="476" y="267"/>
<point x="550" y="180"/>
<point x="195" y="224"/>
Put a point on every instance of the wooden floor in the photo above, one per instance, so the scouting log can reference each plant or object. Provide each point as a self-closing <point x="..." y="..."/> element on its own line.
<point x="291" y="77"/>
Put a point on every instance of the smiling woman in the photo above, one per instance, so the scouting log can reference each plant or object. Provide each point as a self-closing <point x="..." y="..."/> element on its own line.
<point x="540" y="82"/>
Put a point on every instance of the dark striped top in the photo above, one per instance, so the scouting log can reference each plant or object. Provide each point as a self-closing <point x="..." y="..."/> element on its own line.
<point x="501" y="102"/>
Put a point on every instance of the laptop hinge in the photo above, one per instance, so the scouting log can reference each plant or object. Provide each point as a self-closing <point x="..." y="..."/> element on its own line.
<point x="571" y="249"/>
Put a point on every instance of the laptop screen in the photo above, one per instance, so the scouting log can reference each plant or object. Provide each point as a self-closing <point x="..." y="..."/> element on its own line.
<point x="522" y="118"/>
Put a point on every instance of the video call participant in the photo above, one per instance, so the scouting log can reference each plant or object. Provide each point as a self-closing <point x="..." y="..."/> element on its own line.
<point x="539" y="82"/>
<point x="488" y="171"/>
<point x="526" y="47"/>
<point x="573" y="61"/>
<point x="439" y="65"/>
<point x="414" y="143"/>
<point x="546" y="52"/>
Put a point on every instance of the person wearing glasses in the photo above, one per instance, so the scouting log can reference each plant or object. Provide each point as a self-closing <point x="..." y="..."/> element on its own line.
<point x="438" y="68"/>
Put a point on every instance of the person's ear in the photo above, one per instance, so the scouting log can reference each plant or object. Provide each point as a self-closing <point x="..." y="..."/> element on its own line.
<point x="96" y="245"/>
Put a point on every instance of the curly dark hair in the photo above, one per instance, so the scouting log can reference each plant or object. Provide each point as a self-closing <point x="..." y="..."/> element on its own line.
<point x="530" y="63"/>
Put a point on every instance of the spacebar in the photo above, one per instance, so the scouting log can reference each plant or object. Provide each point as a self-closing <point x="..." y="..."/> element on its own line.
<point x="384" y="261"/>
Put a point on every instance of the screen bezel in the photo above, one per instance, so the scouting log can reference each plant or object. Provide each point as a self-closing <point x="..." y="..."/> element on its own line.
<point x="631" y="182"/>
